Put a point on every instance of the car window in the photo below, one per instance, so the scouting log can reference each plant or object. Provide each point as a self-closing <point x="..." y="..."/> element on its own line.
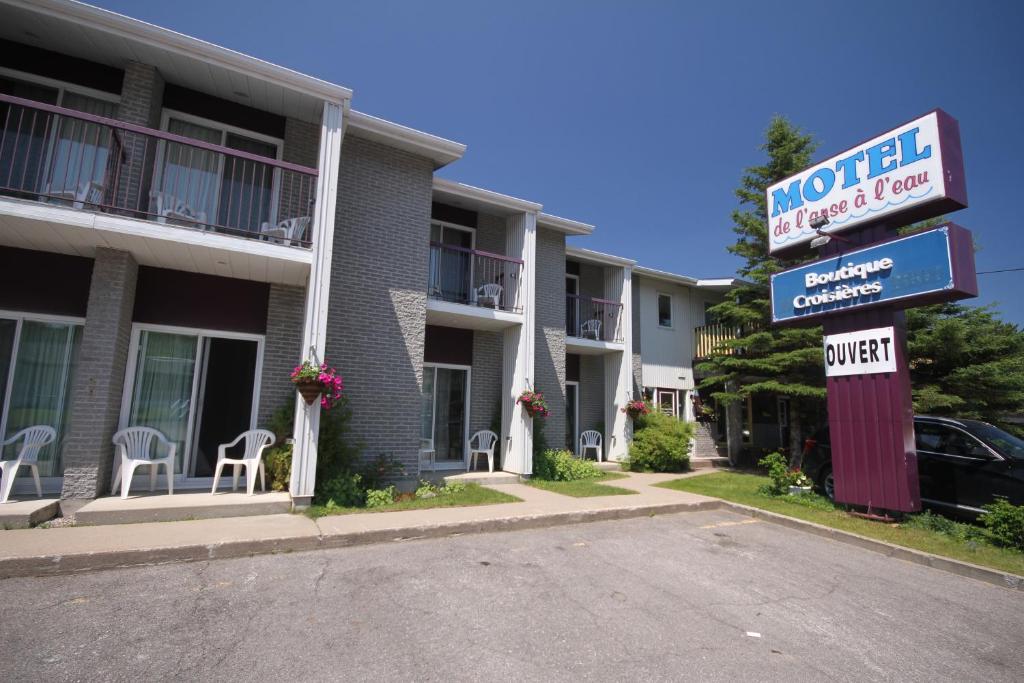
<point x="1002" y="441"/>
<point x="962" y="444"/>
<point x="928" y="437"/>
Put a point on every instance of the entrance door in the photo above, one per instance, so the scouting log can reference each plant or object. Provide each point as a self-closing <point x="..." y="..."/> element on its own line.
<point x="572" y="403"/>
<point x="667" y="402"/>
<point x="445" y="414"/>
<point x="197" y="389"/>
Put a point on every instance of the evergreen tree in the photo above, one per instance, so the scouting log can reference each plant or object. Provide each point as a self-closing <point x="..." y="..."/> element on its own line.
<point x="965" y="362"/>
<point x="764" y="359"/>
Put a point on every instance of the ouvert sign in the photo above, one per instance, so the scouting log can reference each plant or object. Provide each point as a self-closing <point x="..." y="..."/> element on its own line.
<point x="912" y="172"/>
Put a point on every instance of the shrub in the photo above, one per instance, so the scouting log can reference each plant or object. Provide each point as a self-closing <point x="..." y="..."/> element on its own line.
<point x="278" y="464"/>
<point x="660" y="444"/>
<point x="930" y="521"/>
<point x="376" y="498"/>
<point x="561" y="465"/>
<point x="1005" y="523"/>
<point x="343" y="490"/>
<point x="779" y="473"/>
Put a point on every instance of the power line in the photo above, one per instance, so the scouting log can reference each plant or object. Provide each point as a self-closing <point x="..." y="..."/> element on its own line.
<point x="1004" y="270"/>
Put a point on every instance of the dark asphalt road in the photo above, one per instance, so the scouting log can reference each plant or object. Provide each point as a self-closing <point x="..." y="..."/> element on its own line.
<point x="698" y="596"/>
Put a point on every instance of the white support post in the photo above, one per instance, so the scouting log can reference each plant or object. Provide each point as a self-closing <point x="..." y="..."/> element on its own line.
<point x="618" y="367"/>
<point x="314" y="331"/>
<point x="518" y="351"/>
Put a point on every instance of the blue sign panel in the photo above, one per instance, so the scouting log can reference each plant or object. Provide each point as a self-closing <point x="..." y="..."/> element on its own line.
<point x="909" y="268"/>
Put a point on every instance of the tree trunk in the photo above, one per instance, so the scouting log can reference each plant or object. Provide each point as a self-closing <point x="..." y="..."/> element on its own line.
<point x="796" y="444"/>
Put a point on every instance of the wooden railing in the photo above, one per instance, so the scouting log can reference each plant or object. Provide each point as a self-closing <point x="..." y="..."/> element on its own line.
<point x="70" y="158"/>
<point x="708" y="340"/>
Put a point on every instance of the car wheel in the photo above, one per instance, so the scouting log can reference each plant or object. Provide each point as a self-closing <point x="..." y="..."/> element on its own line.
<point x="827" y="483"/>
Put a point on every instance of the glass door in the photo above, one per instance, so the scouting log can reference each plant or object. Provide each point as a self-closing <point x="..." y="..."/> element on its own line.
<point x="572" y="401"/>
<point x="190" y="174"/>
<point x="445" y="413"/>
<point x="667" y="402"/>
<point x="247" y="187"/>
<point x="80" y="154"/>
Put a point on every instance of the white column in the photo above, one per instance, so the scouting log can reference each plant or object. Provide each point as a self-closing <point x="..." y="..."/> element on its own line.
<point x="518" y="350"/>
<point x="314" y="331"/>
<point x="618" y="367"/>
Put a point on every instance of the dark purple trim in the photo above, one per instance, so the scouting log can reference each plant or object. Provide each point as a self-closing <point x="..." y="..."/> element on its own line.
<point x="41" y="62"/>
<point x="594" y="299"/>
<point x="952" y="158"/>
<point x="174" y="297"/>
<point x="477" y="252"/>
<point x="44" y="282"/>
<point x="159" y="134"/>
<point x="572" y="367"/>
<point x="213" y="108"/>
<point x="448" y="345"/>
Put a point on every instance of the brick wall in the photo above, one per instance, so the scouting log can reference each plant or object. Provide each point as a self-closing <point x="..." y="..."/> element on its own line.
<point x="549" y="352"/>
<point x="485" y="389"/>
<point x="301" y="146"/>
<point x="142" y="94"/>
<point x="96" y="387"/>
<point x="592" y="395"/>
<point x="490" y="233"/>
<point x="591" y="280"/>
<point x="375" y="326"/>
<point x="282" y="350"/>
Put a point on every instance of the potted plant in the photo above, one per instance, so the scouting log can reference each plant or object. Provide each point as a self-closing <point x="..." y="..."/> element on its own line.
<point x="534" y="404"/>
<point x="799" y="483"/>
<point x="317" y="381"/>
<point x="636" y="408"/>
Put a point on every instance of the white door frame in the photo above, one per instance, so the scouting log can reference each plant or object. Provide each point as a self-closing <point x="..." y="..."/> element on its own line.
<point x="450" y="465"/>
<point x="128" y="391"/>
<point x="675" y="400"/>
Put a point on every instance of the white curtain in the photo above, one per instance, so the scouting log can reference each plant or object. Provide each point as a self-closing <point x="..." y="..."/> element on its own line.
<point x="81" y="149"/>
<point x="40" y="393"/>
<point x="189" y="173"/>
<point x="162" y="396"/>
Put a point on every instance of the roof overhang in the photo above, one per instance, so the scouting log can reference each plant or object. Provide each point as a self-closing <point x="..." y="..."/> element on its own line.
<point x="569" y="227"/>
<point x="99" y="35"/>
<point x="723" y="284"/>
<point x="666" y="276"/>
<point x="479" y="199"/>
<point x="591" y="256"/>
<point x="440" y="150"/>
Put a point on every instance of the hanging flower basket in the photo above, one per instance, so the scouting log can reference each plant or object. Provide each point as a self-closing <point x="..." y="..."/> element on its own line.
<point x="317" y="381"/>
<point x="635" y="409"/>
<point x="534" y="404"/>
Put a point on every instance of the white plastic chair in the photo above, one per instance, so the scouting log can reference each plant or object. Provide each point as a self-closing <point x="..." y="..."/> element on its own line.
<point x="288" y="231"/>
<point x="90" y="193"/>
<point x="35" y="438"/>
<point x="485" y="440"/>
<point x="590" y="439"/>
<point x="491" y="292"/>
<point x="135" y="446"/>
<point x="256" y="440"/>
<point x="169" y="207"/>
<point x="591" y="329"/>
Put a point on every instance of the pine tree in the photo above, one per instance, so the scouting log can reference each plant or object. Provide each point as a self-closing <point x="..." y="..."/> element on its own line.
<point x="765" y="359"/>
<point x="965" y="362"/>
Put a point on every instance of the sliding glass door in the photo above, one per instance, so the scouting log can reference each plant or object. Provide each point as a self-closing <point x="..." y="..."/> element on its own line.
<point x="445" y="416"/>
<point x="198" y="388"/>
<point x="37" y="360"/>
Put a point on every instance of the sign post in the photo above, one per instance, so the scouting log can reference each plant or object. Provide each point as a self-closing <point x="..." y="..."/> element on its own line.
<point x="857" y="290"/>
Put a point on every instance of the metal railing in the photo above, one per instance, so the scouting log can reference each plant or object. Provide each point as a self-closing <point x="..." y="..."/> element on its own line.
<point x="590" y="318"/>
<point x="65" y="157"/>
<point x="708" y="340"/>
<point x="475" y="278"/>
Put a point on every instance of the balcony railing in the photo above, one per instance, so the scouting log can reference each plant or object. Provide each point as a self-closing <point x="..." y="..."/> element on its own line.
<point x="708" y="340"/>
<point x="596" y="319"/>
<point x="65" y="157"/>
<point x="475" y="278"/>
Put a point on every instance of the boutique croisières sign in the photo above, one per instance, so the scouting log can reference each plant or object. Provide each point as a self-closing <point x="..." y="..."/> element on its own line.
<point x="909" y="173"/>
<point x="930" y="266"/>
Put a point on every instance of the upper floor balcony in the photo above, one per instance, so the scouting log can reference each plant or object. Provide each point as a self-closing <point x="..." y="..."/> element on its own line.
<point x="711" y="340"/>
<point x="592" y="325"/>
<point x="67" y="158"/>
<point x="473" y="288"/>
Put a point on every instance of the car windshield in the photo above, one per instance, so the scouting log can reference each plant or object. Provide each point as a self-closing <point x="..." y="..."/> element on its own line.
<point x="1004" y="442"/>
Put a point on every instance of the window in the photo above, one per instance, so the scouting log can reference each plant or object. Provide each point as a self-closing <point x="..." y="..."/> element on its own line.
<point x="444" y="416"/>
<point x="665" y="310"/>
<point x="450" y="276"/>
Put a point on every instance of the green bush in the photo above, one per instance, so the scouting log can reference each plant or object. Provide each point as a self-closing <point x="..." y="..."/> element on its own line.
<point x="343" y="490"/>
<point x="929" y="521"/>
<point x="1005" y="523"/>
<point x="376" y="498"/>
<point x="561" y="465"/>
<point x="778" y="472"/>
<point x="660" y="444"/>
<point x="277" y="462"/>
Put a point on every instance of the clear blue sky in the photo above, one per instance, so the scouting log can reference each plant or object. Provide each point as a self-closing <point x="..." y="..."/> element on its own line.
<point x="640" y="116"/>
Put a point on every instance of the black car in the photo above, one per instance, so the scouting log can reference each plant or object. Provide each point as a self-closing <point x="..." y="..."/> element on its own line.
<point x="961" y="464"/>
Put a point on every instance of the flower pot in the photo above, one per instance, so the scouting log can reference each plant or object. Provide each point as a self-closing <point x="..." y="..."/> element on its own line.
<point x="797" y="490"/>
<point x="310" y="390"/>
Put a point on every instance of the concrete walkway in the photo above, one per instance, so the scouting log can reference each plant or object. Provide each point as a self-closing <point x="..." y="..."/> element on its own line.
<point x="29" y="552"/>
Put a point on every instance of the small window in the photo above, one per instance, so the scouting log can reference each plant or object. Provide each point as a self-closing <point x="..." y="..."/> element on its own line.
<point x="664" y="310"/>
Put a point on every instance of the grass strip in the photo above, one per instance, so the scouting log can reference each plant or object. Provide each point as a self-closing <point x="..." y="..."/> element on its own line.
<point x="471" y="496"/>
<point x="583" y="488"/>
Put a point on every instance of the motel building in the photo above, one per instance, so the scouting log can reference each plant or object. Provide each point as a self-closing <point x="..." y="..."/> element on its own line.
<point x="181" y="225"/>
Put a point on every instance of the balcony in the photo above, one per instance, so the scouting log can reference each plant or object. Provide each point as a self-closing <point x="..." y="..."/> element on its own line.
<point x="66" y="158"/>
<point x="708" y="341"/>
<point x="473" y="289"/>
<point x="592" y="326"/>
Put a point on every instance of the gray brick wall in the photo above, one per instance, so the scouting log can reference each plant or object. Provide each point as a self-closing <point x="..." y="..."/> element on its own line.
<point x="282" y="350"/>
<point x="549" y="351"/>
<point x="142" y="95"/>
<point x="485" y="389"/>
<point x="301" y="146"/>
<point x="99" y="375"/>
<point x="591" y="280"/>
<point x="592" y="395"/>
<point x="377" y="314"/>
<point x="490" y="233"/>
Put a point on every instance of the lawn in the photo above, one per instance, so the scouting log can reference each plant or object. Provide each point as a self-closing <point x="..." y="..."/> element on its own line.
<point x="584" y="488"/>
<point x="472" y="495"/>
<point x="743" y="488"/>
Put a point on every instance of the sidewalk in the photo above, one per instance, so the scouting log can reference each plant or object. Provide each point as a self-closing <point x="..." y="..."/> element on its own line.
<point x="33" y="552"/>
